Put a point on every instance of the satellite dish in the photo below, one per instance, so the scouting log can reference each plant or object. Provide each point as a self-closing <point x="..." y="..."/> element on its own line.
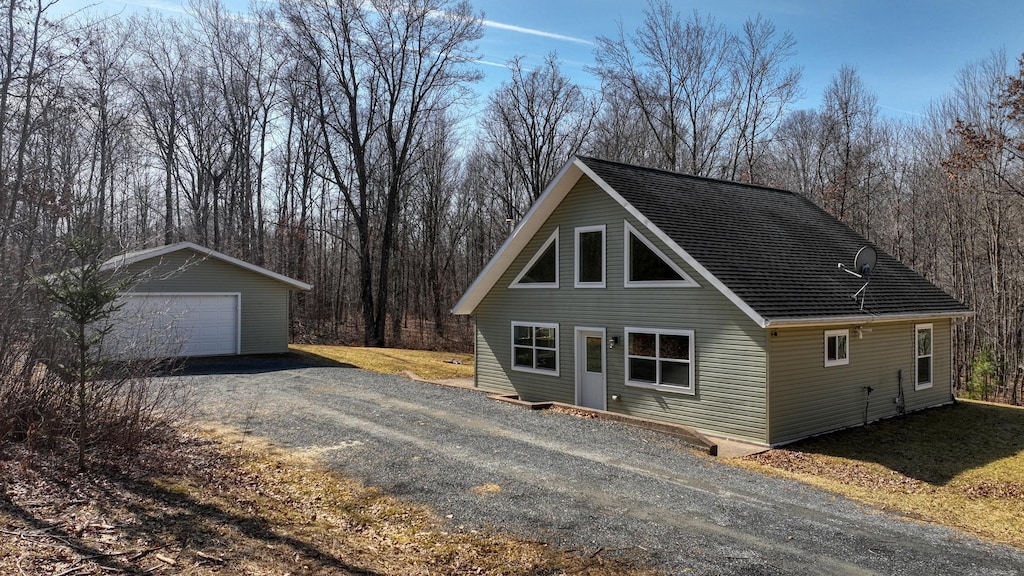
<point x="863" y="265"/>
<point x="864" y="262"/>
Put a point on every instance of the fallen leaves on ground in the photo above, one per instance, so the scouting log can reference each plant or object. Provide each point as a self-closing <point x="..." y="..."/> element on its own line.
<point x="220" y="503"/>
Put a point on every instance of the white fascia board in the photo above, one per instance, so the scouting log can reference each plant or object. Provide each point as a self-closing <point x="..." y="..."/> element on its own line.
<point x="143" y="255"/>
<point x="865" y="318"/>
<point x="690" y="260"/>
<point x="516" y="242"/>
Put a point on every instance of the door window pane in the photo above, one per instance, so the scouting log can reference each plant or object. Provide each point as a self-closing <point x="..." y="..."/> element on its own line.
<point x="595" y="350"/>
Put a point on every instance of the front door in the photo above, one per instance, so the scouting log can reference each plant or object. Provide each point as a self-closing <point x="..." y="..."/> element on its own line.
<point x="590" y="368"/>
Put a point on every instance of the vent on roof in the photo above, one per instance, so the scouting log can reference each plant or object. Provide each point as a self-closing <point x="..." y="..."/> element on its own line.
<point x="863" y="265"/>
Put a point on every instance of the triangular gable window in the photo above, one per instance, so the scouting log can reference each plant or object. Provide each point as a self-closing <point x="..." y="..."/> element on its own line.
<point x="646" y="266"/>
<point x="542" y="270"/>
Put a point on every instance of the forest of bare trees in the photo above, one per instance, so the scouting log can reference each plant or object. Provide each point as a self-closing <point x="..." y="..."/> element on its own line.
<point x="340" y="142"/>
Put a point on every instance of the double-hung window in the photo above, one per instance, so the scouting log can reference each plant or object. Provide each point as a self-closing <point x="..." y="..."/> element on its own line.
<point x="535" y="347"/>
<point x="660" y="359"/>
<point x="923" y="356"/>
<point x="590" y="258"/>
<point x="837" y="347"/>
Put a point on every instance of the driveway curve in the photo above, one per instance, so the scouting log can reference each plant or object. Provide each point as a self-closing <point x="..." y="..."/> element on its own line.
<point x="576" y="483"/>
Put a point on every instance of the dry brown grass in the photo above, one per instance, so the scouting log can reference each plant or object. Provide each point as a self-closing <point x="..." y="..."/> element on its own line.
<point x="424" y="363"/>
<point x="961" y="466"/>
<point x="218" y="502"/>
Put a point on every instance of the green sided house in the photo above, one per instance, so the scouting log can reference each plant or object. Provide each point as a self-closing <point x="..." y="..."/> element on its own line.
<point x="188" y="300"/>
<point x="711" y="304"/>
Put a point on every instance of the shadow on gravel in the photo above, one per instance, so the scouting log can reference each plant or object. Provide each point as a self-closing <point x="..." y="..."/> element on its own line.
<point x="252" y="364"/>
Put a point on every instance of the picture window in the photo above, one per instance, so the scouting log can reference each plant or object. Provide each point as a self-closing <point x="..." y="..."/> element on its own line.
<point x="660" y="359"/>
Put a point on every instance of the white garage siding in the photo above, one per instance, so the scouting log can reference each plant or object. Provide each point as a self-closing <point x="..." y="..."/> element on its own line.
<point x="163" y="325"/>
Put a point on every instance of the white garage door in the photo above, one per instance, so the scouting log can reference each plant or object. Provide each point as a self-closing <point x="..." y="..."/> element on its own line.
<point x="168" y="325"/>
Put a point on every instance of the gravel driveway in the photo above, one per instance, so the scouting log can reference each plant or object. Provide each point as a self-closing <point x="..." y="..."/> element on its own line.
<point x="576" y="483"/>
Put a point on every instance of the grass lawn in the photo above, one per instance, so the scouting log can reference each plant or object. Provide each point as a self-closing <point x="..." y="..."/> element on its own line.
<point x="217" y="502"/>
<point x="425" y="364"/>
<point x="960" y="466"/>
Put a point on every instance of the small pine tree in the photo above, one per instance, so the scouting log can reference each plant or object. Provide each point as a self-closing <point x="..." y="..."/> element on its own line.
<point x="84" y="298"/>
<point x="984" y="375"/>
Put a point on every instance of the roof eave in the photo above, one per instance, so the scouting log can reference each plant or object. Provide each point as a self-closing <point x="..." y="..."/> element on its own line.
<point x="809" y="321"/>
<point x="514" y="244"/>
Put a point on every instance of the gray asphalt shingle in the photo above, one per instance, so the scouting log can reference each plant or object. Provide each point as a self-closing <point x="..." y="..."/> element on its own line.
<point x="774" y="249"/>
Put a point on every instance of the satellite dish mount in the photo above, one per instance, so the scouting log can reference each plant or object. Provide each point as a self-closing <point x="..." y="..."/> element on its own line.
<point x="863" y="265"/>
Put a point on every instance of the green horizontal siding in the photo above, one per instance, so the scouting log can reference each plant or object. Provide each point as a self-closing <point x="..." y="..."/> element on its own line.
<point x="807" y="398"/>
<point x="729" y="348"/>
<point x="264" y="314"/>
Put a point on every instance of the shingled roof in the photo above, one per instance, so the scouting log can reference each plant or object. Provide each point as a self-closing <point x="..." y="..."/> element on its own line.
<point x="773" y="252"/>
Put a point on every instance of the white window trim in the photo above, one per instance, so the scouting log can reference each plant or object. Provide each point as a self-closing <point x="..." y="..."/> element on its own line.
<point x="931" y="358"/>
<point x="691" y="389"/>
<point x="576" y="257"/>
<point x="512" y="349"/>
<point x="547" y="243"/>
<point x="839" y="361"/>
<point x="685" y="282"/>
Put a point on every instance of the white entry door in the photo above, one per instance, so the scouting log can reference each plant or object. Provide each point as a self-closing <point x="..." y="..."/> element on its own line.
<point x="591" y="389"/>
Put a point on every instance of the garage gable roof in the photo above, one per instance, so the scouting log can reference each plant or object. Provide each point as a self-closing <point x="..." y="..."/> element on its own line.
<point x="150" y="253"/>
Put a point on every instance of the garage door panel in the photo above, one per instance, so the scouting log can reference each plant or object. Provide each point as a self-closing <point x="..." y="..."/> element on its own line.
<point x="168" y="325"/>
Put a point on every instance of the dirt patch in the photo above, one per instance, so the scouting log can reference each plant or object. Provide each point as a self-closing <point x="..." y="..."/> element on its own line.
<point x="585" y="414"/>
<point x="219" y="503"/>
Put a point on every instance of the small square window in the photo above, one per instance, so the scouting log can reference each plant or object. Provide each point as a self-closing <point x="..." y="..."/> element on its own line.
<point x="837" y="347"/>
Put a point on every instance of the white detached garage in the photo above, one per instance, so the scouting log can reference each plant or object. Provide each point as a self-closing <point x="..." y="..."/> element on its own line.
<point x="188" y="300"/>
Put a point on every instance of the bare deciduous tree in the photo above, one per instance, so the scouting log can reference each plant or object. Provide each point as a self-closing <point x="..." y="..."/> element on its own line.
<point x="533" y="124"/>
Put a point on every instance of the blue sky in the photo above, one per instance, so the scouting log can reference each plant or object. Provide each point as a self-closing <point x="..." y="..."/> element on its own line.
<point x="907" y="51"/>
